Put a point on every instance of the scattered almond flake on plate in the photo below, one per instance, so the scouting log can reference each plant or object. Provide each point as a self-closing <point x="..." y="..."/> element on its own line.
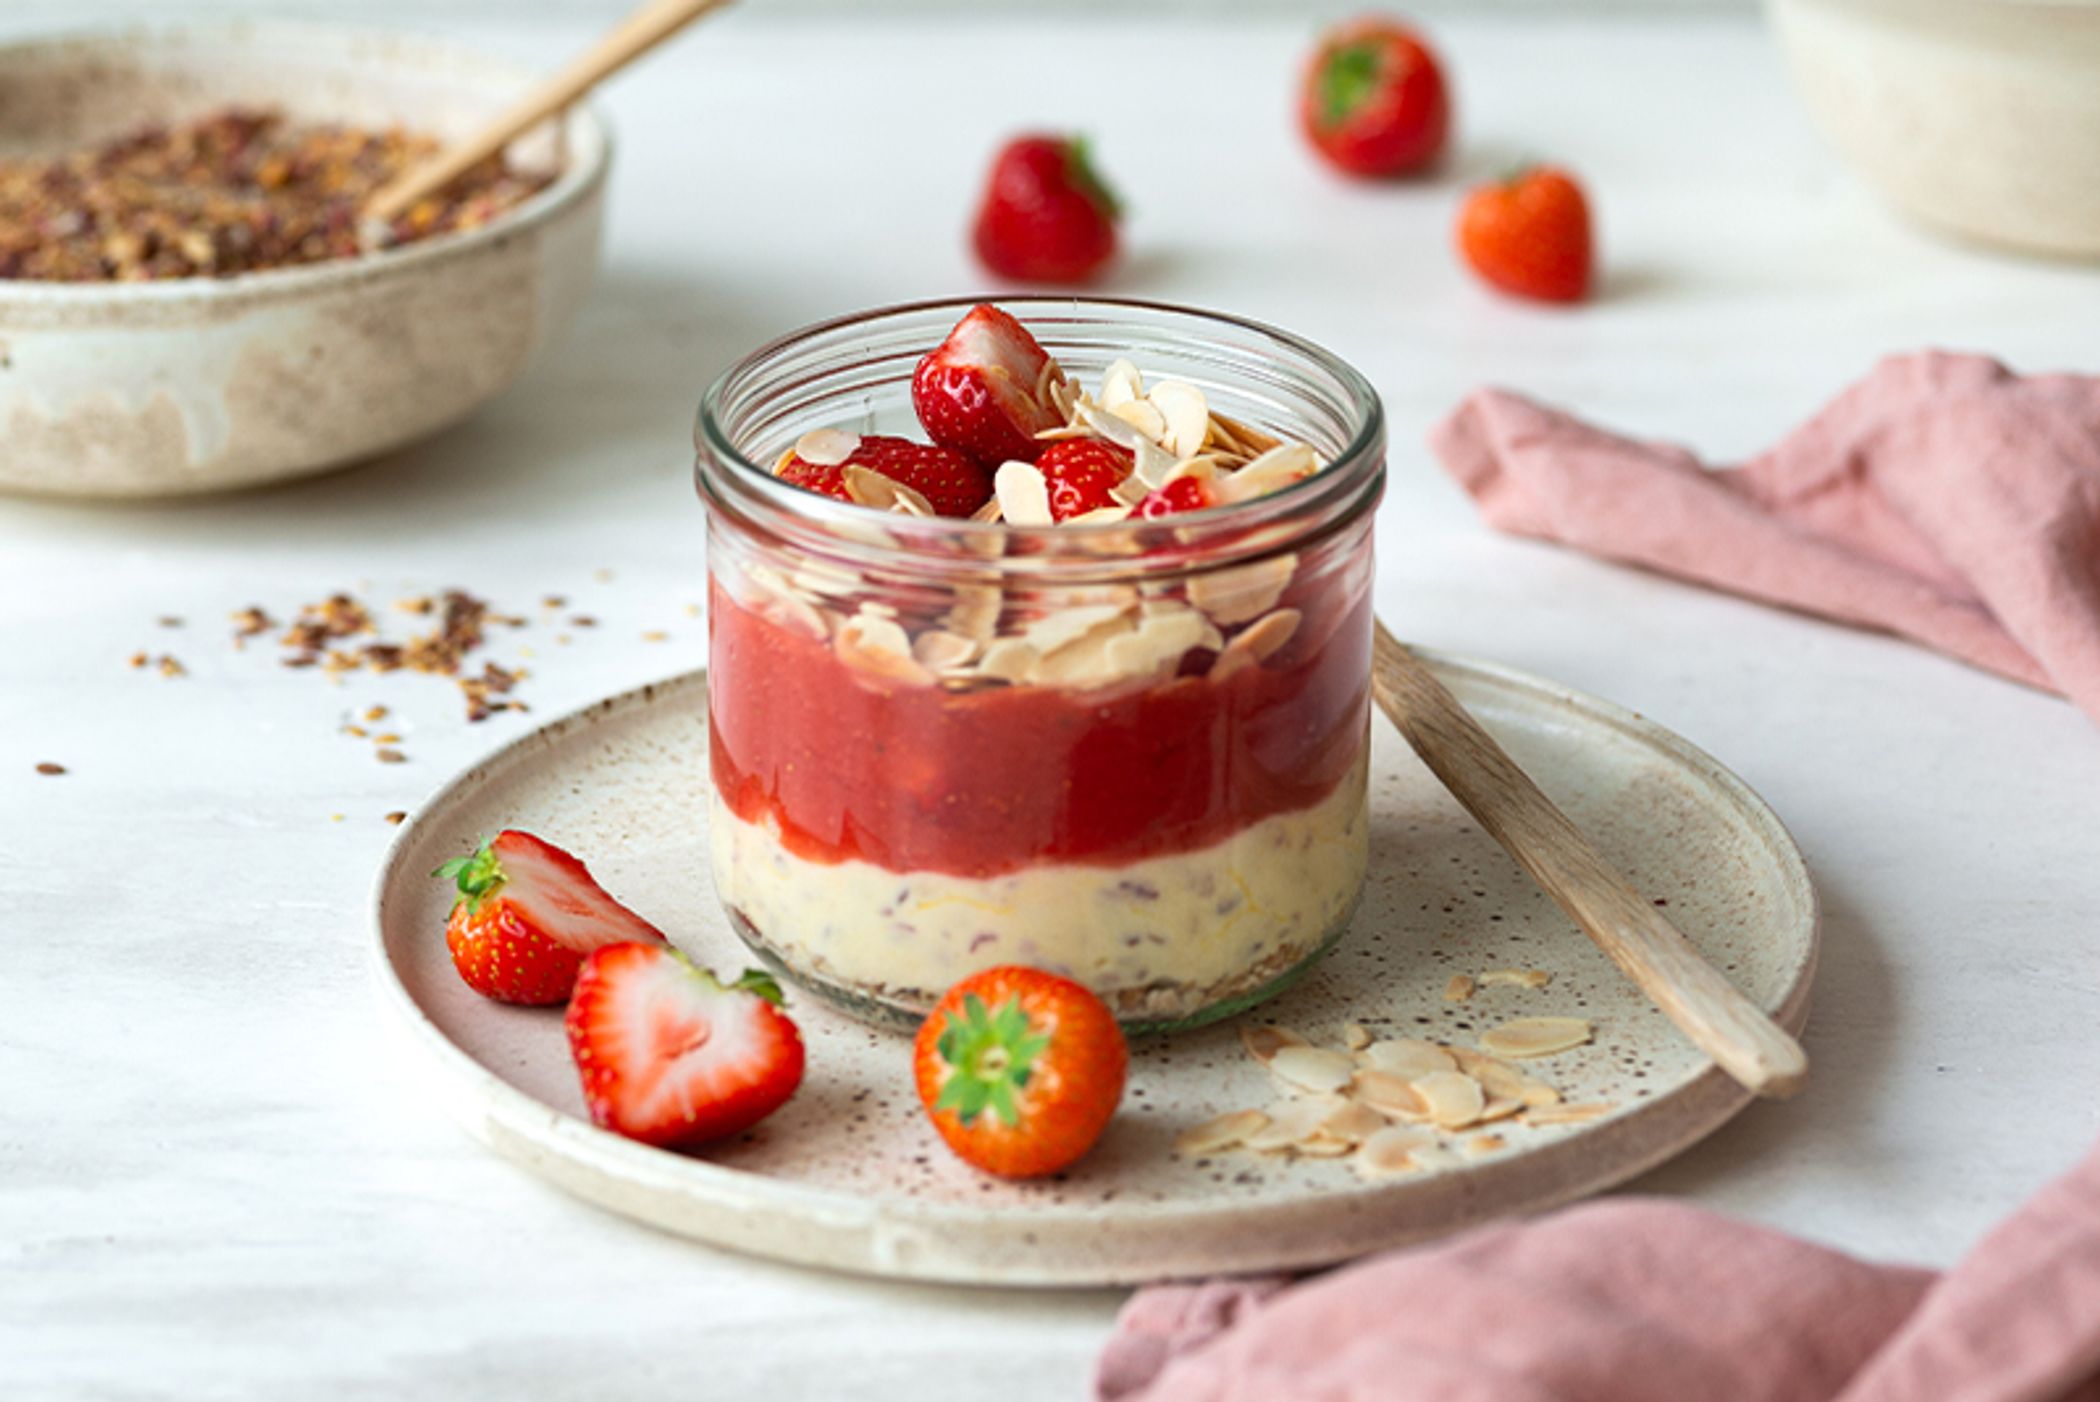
<point x="1391" y="1095"/>
<point x="1264" y="1040"/>
<point x="1324" y="1146"/>
<point x="1459" y="989"/>
<point x="1222" y="1132"/>
<point x="1023" y="495"/>
<point x="1354" y="1122"/>
<point x="1290" y="1124"/>
<point x="1408" y="1056"/>
<point x="826" y="447"/>
<point x="1515" y="978"/>
<point x="1486" y="1144"/>
<point x="1499" y="1107"/>
<point x="1567" y="1114"/>
<point x="1355" y="1036"/>
<point x="1391" y="1152"/>
<point x="1316" y="1069"/>
<point x="1455" y="1099"/>
<point x="1536" y="1036"/>
<point x="1499" y="1078"/>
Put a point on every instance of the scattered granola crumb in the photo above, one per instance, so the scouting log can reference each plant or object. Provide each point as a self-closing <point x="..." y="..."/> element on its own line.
<point x="375" y="713"/>
<point x="692" y="610"/>
<point x="1459" y="989"/>
<point x="656" y="635"/>
<point x="250" y="621"/>
<point x="335" y="817"/>
<point x="1516" y="978"/>
<point x="169" y="620"/>
<point x="169" y="667"/>
<point x="554" y="601"/>
<point x="602" y="576"/>
<point x="47" y="767"/>
<point x="420" y="605"/>
<point x="583" y="620"/>
<point x="396" y="818"/>
<point x="357" y="731"/>
<point x="386" y="738"/>
<point x="390" y="756"/>
<point x="139" y="661"/>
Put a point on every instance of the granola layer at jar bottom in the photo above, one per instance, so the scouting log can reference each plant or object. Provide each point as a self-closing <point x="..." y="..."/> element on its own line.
<point x="1158" y="937"/>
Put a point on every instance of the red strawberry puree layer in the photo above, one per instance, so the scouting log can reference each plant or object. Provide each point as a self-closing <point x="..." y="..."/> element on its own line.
<point x="977" y="784"/>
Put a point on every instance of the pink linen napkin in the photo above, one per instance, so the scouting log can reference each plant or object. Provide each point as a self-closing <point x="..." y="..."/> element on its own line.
<point x="1943" y="498"/>
<point x="1640" y="1300"/>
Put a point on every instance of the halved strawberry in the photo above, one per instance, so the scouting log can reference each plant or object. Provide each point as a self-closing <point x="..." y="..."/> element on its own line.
<point x="1185" y="493"/>
<point x="527" y="915"/>
<point x="1082" y="474"/>
<point x="951" y="483"/>
<point x="670" y="1055"/>
<point x="981" y="391"/>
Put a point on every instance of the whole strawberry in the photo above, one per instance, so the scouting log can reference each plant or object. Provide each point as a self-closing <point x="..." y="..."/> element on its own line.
<point x="1374" y="101"/>
<point x="984" y="391"/>
<point x="951" y="483"/>
<point x="1082" y="475"/>
<point x="1530" y="235"/>
<point x="1020" y="1070"/>
<point x="1047" y="216"/>
<point x="670" y="1055"/>
<point x="527" y="915"/>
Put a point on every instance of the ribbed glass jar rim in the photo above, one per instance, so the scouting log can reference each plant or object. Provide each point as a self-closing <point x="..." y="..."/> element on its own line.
<point x="748" y="416"/>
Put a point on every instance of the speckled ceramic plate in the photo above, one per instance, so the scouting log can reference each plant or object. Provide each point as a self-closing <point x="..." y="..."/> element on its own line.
<point x="849" y="1176"/>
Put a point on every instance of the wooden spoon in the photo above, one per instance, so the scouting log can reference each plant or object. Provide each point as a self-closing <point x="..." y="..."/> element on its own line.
<point x="630" y="39"/>
<point x="1648" y="949"/>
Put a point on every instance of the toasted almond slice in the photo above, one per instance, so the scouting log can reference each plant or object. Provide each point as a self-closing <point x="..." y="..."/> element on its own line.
<point x="988" y="512"/>
<point x="1007" y="660"/>
<point x="1324" y="1146"/>
<point x="1408" y="1057"/>
<point x="1065" y="626"/>
<point x="1455" y="1099"/>
<point x="1391" y="1151"/>
<point x="1222" y="1132"/>
<point x="1024" y="498"/>
<point x="1185" y="416"/>
<point x="1120" y="384"/>
<point x="975" y="613"/>
<point x="1497" y="1078"/>
<point x="871" y="488"/>
<point x="1355" y="1036"/>
<point x="1538" y="1096"/>
<point x="1536" y="1036"/>
<point x="1354" y="1122"/>
<point x="1152" y="464"/>
<point x="1499" y="1107"/>
<point x="1459" y="989"/>
<point x="1160" y="641"/>
<point x="826" y="447"/>
<point x="1242" y="592"/>
<point x="1247" y="435"/>
<point x="1277" y="468"/>
<point x="1568" y="1114"/>
<point x="1264" y="1040"/>
<point x="1391" y="1095"/>
<point x="1486" y="1144"/>
<point x="1316" y="1069"/>
<point x="1140" y="415"/>
<point x="1515" y="978"/>
<point x="943" y="651"/>
<point x="1290" y="1124"/>
<point x="876" y="645"/>
<point x="1116" y="429"/>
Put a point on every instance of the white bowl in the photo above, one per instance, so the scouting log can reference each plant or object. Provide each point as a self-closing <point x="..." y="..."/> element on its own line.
<point x="151" y="389"/>
<point x="1979" y="117"/>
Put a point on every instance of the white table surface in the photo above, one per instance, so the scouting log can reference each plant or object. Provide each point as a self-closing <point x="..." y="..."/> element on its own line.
<point x="215" y="1182"/>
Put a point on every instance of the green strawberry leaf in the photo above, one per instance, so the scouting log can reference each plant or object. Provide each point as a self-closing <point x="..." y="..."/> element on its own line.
<point x="1349" y="80"/>
<point x="989" y="1056"/>
<point x="478" y="876"/>
<point x="763" y="984"/>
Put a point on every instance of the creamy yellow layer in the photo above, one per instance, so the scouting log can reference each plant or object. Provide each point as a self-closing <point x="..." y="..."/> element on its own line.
<point x="1195" y="921"/>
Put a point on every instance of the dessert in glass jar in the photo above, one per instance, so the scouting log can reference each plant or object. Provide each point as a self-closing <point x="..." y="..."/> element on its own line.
<point x="1040" y="635"/>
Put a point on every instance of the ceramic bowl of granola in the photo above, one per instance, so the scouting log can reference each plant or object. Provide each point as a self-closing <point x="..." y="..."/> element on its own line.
<point x="186" y="302"/>
<point x="1092" y="696"/>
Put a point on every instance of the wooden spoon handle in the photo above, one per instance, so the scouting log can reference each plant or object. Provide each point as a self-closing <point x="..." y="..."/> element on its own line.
<point x="1706" y="1007"/>
<point x="630" y="39"/>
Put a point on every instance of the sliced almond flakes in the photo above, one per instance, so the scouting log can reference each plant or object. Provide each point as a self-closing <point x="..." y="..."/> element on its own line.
<point x="1455" y="1099"/>
<point x="1264" y="1040"/>
<point x="1391" y="1152"/>
<point x="1392" y="1096"/>
<point x="1515" y="978"/>
<point x="1316" y="1069"/>
<point x="1536" y="1036"/>
<point x="1222" y="1132"/>
<point x="1459" y="989"/>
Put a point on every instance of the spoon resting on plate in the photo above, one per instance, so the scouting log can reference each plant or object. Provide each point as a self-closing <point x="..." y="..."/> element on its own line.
<point x="1741" y="1038"/>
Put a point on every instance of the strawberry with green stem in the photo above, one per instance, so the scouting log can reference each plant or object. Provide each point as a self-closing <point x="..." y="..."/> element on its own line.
<point x="526" y="917"/>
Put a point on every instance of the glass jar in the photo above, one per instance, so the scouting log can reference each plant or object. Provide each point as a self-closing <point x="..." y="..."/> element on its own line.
<point x="1131" y="753"/>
